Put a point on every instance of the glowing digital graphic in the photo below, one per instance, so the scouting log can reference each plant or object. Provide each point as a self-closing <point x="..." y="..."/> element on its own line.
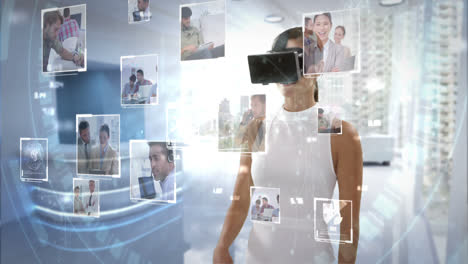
<point x="34" y="159"/>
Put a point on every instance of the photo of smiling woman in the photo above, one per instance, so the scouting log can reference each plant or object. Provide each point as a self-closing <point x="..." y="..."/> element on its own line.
<point x="323" y="55"/>
<point x="325" y="47"/>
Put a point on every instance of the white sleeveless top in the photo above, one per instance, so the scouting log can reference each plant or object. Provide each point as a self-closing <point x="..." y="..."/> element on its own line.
<point x="299" y="162"/>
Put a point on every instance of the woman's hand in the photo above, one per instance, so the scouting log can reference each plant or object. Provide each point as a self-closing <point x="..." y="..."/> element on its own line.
<point x="222" y="256"/>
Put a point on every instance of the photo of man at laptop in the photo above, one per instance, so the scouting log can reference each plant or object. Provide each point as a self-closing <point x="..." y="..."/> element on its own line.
<point x="152" y="171"/>
<point x="265" y="205"/>
<point x="139" y="80"/>
<point x="202" y="31"/>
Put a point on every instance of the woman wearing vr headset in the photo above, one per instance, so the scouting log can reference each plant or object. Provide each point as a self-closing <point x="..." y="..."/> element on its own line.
<point x="305" y="166"/>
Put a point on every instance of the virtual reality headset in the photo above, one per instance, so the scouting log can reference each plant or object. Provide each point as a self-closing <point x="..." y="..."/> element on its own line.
<point x="281" y="64"/>
<point x="276" y="66"/>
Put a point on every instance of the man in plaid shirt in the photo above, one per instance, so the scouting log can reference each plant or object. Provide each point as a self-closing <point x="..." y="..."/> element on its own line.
<point x="69" y="27"/>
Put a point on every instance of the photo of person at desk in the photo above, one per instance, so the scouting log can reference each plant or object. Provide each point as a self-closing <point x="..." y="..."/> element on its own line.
<point x="262" y="210"/>
<point x="129" y="89"/>
<point x="139" y="90"/>
<point x="55" y="35"/>
<point x="152" y="171"/>
<point x="192" y="43"/>
<point x="104" y="159"/>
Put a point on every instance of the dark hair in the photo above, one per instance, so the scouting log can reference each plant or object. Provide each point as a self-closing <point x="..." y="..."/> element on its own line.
<point x="280" y="42"/>
<point x="140" y="71"/>
<point x="260" y="97"/>
<point x="76" y="187"/>
<point x="168" y="152"/>
<point x="257" y="202"/>
<point x="266" y="199"/>
<point x="186" y="12"/>
<point x="133" y="78"/>
<point x="104" y="128"/>
<point x="83" y="125"/>
<point x="91" y="181"/>
<point x="51" y="17"/>
<point x="320" y="110"/>
<point x="306" y="20"/>
<point x="66" y="12"/>
<point x="277" y="198"/>
<point x="342" y="28"/>
<point x="327" y="14"/>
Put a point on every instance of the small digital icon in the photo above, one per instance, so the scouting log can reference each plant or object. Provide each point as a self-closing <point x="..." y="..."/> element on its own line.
<point x="33" y="160"/>
<point x="328" y="214"/>
<point x="331" y="214"/>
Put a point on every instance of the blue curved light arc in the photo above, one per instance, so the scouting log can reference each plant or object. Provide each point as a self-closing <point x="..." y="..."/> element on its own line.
<point x="62" y="193"/>
<point x="17" y="218"/>
<point x="119" y="244"/>
<point x="71" y="194"/>
<point x="109" y="212"/>
<point x="106" y="227"/>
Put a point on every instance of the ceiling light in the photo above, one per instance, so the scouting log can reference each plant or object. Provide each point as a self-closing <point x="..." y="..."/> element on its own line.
<point x="390" y="2"/>
<point x="274" y="18"/>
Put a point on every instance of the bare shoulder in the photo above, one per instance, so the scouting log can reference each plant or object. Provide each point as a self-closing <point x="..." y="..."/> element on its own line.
<point x="348" y="143"/>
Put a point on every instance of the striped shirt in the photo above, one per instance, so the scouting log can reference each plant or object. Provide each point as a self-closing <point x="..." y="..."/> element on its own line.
<point x="69" y="29"/>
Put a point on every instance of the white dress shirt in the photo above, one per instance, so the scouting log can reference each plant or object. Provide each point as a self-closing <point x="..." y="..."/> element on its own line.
<point x="168" y="187"/>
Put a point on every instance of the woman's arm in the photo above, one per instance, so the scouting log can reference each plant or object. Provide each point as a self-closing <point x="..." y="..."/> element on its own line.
<point x="237" y="212"/>
<point x="347" y="159"/>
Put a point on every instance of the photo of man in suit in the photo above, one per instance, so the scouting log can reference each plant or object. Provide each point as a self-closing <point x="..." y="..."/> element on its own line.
<point x="92" y="200"/>
<point x="83" y="148"/>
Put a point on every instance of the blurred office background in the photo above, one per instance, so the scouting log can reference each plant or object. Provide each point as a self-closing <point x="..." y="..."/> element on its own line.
<point x="408" y="103"/>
